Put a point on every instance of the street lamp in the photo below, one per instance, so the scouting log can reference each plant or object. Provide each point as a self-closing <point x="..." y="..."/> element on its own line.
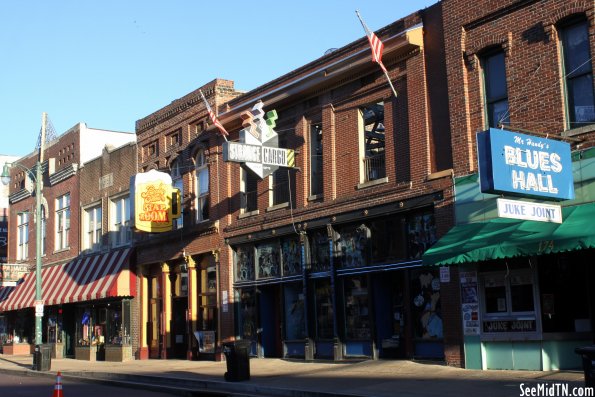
<point x="37" y="177"/>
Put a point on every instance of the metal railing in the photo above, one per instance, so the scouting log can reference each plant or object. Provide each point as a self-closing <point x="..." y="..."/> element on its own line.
<point x="374" y="167"/>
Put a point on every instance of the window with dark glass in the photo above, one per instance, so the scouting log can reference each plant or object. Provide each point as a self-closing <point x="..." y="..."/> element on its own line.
<point x="495" y="89"/>
<point x="578" y="72"/>
<point x="324" y="309"/>
<point x="319" y="248"/>
<point x="388" y="239"/>
<point x="177" y="183"/>
<point x="244" y="262"/>
<point x="202" y="187"/>
<point x="249" y="191"/>
<point x="372" y="123"/>
<point x="247" y="314"/>
<point x="357" y="310"/>
<point x="421" y="234"/>
<point x="281" y="180"/>
<point x="267" y="260"/>
<point x="293" y="296"/>
<point x="353" y="246"/>
<point x="316" y="159"/>
<point x="291" y="256"/>
<point x="207" y="303"/>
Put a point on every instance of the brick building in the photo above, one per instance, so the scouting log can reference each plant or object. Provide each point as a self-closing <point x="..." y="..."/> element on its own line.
<point x="526" y="286"/>
<point x="179" y="270"/>
<point x="68" y="276"/>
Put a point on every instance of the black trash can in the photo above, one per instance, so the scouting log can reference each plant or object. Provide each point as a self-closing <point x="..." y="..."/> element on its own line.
<point x="588" y="355"/>
<point x="42" y="358"/>
<point x="237" y="356"/>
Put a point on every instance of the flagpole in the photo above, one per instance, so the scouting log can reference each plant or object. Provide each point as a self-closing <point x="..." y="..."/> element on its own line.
<point x="379" y="61"/>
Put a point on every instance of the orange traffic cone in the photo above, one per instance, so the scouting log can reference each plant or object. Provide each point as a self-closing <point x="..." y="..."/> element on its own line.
<point x="58" y="387"/>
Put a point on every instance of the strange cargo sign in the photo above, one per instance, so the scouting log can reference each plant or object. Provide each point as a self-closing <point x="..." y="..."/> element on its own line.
<point x="524" y="165"/>
<point x="258" y="148"/>
<point x="155" y="202"/>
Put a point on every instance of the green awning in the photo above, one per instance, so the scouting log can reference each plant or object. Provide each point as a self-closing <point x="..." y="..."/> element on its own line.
<point x="507" y="238"/>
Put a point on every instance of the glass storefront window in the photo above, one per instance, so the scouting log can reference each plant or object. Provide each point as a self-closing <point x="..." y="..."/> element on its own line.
<point x="118" y="323"/>
<point x="319" y="243"/>
<point x="324" y="309"/>
<point x="426" y="304"/>
<point x="357" y="310"/>
<point x="352" y="246"/>
<point x="421" y="231"/>
<point x="208" y="298"/>
<point x="53" y="321"/>
<point x="294" y="312"/>
<point x="88" y="330"/>
<point x="244" y="262"/>
<point x="267" y="263"/>
<point x="291" y="256"/>
<point x="388" y="240"/>
<point x="247" y="314"/>
<point x="3" y="330"/>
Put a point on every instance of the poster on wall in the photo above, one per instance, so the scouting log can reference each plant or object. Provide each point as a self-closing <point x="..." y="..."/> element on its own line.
<point x="470" y="303"/>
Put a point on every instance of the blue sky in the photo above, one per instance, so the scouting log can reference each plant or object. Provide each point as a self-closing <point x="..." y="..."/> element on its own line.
<point x="109" y="63"/>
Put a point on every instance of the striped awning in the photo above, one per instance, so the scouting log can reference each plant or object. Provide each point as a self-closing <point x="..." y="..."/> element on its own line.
<point x="82" y="279"/>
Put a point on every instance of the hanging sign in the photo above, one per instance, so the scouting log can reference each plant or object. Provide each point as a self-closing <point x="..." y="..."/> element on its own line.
<point x="258" y="148"/>
<point x="524" y="165"/>
<point x="541" y="212"/>
<point x="155" y="202"/>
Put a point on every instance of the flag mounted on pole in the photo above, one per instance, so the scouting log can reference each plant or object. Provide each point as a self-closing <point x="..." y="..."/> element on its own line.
<point x="214" y="118"/>
<point x="377" y="47"/>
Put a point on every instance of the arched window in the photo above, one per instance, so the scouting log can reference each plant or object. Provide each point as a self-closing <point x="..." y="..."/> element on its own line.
<point x="202" y="187"/>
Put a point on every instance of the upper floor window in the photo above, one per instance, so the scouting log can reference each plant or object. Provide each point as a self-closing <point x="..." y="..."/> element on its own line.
<point x="62" y="222"/>
<point x="372" y="139"/>
<point x="173" y="140"/>
<point x="23" y="236"/>
<point x="249" y="190"/>
<point x="578" y="72"/>
<point x="178" y="183"/>
<point x="495" y="89"/>
<point x="316" y="186"/>
<point x="93" y="228"/>
<point x="202" y="187"/>
<point x="120" y="221"/>
<point x="150" y="151"/>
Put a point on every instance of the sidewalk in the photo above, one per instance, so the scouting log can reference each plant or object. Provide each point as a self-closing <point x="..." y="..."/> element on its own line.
<point x="283" y="378"/>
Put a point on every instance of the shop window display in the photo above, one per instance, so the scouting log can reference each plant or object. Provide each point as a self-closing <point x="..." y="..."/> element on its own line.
<point x="320" y="258"/>
<point x="352" y="246"/>
<point x="244" y="262"/>
<point x="291" y="256"/>
<point x="268" y="260"/>
<point x="426" y="304"/>
<point x="357" y="310"/>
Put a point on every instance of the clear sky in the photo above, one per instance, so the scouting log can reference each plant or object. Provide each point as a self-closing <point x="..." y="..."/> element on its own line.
<point x="108" y="63"/>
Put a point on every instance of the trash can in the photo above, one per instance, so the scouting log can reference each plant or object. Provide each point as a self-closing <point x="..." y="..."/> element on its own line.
<point x="42" y="358"/>
<point x="588" y="355"/>
<point x="237" y="356"/>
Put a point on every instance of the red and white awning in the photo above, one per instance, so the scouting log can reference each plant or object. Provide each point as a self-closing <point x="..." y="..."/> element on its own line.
<point x="82" y="279"/>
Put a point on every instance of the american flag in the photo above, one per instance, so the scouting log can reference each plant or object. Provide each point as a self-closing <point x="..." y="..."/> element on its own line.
<point x="377" y="47"/>
<point x="213" y="117"/>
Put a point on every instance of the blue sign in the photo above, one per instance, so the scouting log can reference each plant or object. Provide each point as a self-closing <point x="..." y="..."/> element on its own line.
<point x="524" y="165"/>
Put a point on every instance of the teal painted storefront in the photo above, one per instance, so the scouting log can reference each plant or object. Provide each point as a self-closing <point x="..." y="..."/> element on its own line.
<point x="555" y="283"/>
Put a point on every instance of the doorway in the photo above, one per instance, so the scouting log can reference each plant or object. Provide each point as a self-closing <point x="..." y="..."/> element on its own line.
<point x="269" y="332"/>
<point x="179" y="327"/>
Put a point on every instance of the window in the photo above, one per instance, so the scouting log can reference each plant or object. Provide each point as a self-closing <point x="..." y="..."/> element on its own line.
<point x="357" y="314"/>
<point x="578" y="72"/>
<point x="280" y="179"/>
<point x="93" y="228"/>
<point x="202" y="187"/>
<point x="249" y="190"/>
<point x="324" y="309"/>
<point x="316" y="186"/>
<point x="62" y="221"/>
<point x="150" y="151"/>
<point x="495" y="90"/>
<point x="120" y="229"/>
<point x="177" y="183"/>
<point x="372" y="130"/>
<point x="23" y="236"/>
<point x="293" y="296"/>
<point x="509" y="300"/>
<point x="173" y="140"/>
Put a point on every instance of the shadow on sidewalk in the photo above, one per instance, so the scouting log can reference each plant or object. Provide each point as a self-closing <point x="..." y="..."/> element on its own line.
<point x="20" y="364"/>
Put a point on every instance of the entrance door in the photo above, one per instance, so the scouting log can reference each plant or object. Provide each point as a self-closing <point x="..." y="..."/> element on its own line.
<point x="179" y="327"/>
<point x="69" y="329"/>
<point x="390" y="317"/>
<point x="269" y="332"/>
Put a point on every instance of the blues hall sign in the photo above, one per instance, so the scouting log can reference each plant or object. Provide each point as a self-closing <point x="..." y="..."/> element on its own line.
<point x="524" y="165"/>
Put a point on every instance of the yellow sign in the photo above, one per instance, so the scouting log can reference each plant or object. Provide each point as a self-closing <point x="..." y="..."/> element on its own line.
<point x="156" y="202"/>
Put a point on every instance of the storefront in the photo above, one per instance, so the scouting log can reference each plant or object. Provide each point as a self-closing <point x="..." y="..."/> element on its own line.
<point x="526" y="286"/>
<point x="179" y="309"/>
<point x="346" y="290"/>
<point x="87" y="309"/>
